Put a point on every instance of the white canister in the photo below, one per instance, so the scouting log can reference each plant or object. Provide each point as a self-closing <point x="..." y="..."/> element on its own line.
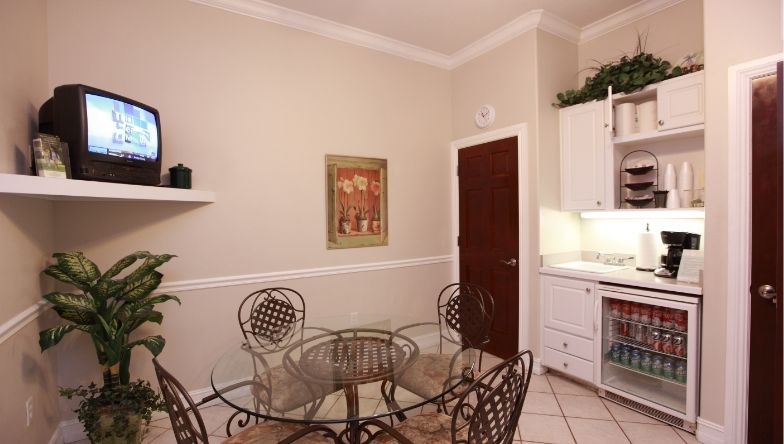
<point x="625" y="119"/>
<point x="646" y="116"/>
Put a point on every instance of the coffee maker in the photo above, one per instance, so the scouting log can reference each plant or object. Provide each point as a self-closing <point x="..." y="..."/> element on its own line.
<point x="676" y="242"/>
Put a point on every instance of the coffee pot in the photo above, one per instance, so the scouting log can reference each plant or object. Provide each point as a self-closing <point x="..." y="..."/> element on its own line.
<point x="676" y="242"/>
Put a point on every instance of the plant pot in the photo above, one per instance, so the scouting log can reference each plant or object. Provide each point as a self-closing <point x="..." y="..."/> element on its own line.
<point x="362" y="225"/>
<point x="345" y="226"/>
<point x="133" y="434"/>
<point x="376" y="226"/>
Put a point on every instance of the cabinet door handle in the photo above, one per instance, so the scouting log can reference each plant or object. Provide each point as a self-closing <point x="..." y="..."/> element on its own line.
<point x="587" y="290"/>
<point x="661" y="122"/>
<point x="598" y="203"/>
<point x="566" y="365"/>
<point x="565" y="345"/>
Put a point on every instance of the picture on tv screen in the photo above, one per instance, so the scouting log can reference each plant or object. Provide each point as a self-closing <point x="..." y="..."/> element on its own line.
<point x="116" y="128"/>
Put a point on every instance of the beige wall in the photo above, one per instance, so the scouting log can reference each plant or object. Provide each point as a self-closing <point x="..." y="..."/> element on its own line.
<point x="672" y="34"/>
<point x="26" y="227"/>
<point x="253" y="108"/>
<point x="755" y="32"/>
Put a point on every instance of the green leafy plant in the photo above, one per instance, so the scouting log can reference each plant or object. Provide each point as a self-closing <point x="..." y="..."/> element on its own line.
<point x="109" y="412"/>
<point x="108" y="309"/>
<point x="629" y="74"/>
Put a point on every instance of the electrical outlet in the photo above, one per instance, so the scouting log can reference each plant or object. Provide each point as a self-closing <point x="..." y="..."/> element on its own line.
<point x="29" y="410"/>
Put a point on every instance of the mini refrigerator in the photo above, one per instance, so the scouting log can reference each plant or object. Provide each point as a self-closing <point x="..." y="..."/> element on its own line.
<point x="649" y="354"/>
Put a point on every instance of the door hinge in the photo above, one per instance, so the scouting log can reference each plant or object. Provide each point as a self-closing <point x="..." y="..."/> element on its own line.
<point x="458" y="241"/>
<point x="457" y="170"/>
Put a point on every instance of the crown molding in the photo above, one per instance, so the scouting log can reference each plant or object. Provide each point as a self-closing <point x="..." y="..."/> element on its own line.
<point x="534" y="19"/>
<point x="327" y="28"/>
<point x="537" y="18"/>
<point x="624" y="17"/>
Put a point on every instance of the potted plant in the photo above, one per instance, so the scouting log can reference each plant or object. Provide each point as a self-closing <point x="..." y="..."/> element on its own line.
<point x="109" y="309"/>
<point x="630" y="73"/>
<point x="346" y="187"/>
<point x="361" y="183"/>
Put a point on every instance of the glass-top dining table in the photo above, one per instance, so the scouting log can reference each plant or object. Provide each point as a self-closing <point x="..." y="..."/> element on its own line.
<point x="287" y="373"/>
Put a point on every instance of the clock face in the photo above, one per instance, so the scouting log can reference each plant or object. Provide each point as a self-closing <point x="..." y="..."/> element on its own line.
<point x="485" y="116"/>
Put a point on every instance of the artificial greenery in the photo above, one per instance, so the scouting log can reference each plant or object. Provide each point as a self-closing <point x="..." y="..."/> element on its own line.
<point x="113" y="412"/>
<point x="630" y="73"/>
<point x="109" y="309"/>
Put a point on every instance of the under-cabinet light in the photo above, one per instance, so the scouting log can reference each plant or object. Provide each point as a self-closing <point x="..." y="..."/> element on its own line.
<point x="682" y="213"/>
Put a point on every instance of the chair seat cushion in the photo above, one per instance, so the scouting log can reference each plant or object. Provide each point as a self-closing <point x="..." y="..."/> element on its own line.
<point x="274" y="432"/>
<point x="287" y="391"/>
<point x="425" y="428"/>
<point x="428" y="376"/>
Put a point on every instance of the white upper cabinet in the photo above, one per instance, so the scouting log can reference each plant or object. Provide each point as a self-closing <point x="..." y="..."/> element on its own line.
<point x="681" y="101"/>
<point x="583" y="130"/>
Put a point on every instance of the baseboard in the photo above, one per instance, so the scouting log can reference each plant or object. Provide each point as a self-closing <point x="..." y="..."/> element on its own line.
<point x="57" y="436"/>
<point x="709" y="433"/>
<point x="539" y="369"/>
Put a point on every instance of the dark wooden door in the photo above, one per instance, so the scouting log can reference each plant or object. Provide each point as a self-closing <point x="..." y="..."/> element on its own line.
<point x="765" y="363"/>
<point x="488" y="240"/>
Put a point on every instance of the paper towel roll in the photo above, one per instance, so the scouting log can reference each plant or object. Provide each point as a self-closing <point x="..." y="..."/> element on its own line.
<point x="647" y="251"/>
<point x="646" y="116"/>
<point x="669" y="179"/>
<point x="673" y="199"/>
<point x="624" y="119"/>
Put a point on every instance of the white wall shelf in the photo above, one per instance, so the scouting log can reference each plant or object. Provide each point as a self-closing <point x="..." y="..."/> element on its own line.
<point x="659" y="136"/>
<point x="83" y="190"/>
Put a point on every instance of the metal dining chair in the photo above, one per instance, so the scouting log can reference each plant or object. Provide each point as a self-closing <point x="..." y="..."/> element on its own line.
<point x="188" y="425"/>
<point x="487" y="412"/>
<point x="465" y="314"/>
<point x="271" y="320"/>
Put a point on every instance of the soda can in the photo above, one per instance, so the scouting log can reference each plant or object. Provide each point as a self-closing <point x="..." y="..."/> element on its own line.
<point x="645" y="313"/>
<point x="646" y="362"/>
<point x="615" y="352"/>
<point x="623" y="328"/>
<point x="639" y="333"/>
<point x="680" y="319"/>
<point x="615" y="308"/>
<point x="635" y="312"/>
<point x="656" y="316"/>
<point x="626" y="356"/>
<point x="635" y="359"/>
<point x="649" y="337"/>
<point x="666" y="343"/>
<point x="657" y="365"/>
<point x="680" y="371"/>
<point x="678" y="345"/>
<point x="668" y="368"/>
<point x="626" y="310"/>
<point x="657" y="343"/>
<point x="666" y="321"/>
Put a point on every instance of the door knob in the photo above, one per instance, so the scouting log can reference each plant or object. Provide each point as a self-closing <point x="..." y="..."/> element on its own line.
<point x="767" y="292"/>
<point x="511" y="262"/>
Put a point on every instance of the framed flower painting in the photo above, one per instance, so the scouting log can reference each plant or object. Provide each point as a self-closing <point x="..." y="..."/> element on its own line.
<point x="356" y="202"/>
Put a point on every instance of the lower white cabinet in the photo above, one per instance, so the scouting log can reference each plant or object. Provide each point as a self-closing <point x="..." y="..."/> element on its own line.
<point x="568" y="317"/>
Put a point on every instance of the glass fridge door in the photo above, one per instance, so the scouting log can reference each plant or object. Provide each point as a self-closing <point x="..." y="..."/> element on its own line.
<point x="646" y="348"/>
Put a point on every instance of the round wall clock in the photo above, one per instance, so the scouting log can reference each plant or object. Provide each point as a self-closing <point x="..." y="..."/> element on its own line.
<point x="485" y="116"/>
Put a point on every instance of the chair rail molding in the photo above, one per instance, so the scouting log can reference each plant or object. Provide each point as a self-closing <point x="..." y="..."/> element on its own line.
<point x="739" y="245"/>
<point x="13" y="325"/>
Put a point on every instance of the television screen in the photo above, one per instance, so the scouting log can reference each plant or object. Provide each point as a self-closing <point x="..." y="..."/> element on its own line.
<point x="116" y="128"/>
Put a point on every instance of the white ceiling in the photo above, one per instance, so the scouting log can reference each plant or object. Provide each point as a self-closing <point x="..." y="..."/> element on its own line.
<point x="444" y="33"/>
<point x="446" y="26"/>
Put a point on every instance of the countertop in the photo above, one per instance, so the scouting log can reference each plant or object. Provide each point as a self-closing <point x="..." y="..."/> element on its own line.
<point x="631" y="277"/>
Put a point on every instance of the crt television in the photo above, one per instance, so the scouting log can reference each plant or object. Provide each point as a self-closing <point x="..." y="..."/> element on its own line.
<point x="110" y="137"/>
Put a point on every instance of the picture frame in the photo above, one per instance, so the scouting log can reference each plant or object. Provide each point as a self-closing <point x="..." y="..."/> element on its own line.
<point x="356" y="198"/>
<point x="51" y="157"/>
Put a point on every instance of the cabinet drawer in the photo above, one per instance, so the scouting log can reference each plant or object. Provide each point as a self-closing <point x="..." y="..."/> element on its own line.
<point x="580" y="347"/>
<point x="579" y="368"/>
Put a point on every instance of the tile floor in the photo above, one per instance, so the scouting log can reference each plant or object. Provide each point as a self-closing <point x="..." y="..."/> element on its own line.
<point x="556" y="411"/>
